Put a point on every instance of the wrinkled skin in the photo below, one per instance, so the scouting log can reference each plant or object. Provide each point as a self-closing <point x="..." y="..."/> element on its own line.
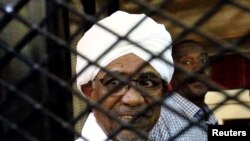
<point x="125" y="104"/>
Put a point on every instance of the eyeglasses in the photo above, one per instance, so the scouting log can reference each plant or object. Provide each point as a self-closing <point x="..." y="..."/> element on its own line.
<point x="148" y="84"/>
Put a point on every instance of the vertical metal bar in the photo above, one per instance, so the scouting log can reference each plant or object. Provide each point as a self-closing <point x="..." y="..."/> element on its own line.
<point x="89" y="6"/>
<point x="59" y="99"/>
<point x="90" y="9"/>
<point x="114" y="5"/>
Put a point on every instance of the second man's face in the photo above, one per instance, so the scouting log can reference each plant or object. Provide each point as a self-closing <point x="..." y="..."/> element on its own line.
<point x="191" y="58"/>
<point x="125" y="102"/>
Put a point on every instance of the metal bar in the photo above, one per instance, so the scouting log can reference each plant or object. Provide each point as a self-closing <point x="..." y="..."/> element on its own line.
<point x="90" y="9"/>
<point x="114" y="5"/>
<point x="60" y="100"/>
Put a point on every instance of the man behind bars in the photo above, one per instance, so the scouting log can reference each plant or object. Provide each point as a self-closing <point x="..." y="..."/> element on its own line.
<point x="187" y="104"/>
<point x="123" y="112"/>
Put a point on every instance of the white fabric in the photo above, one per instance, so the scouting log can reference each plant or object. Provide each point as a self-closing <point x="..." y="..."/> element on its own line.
<point x="92" y="131"/>
<point x="149" y="34"/>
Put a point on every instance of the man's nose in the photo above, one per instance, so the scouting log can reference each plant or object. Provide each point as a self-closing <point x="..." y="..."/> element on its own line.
<point x="133" y="98"/>
<point x="197" y="66"/>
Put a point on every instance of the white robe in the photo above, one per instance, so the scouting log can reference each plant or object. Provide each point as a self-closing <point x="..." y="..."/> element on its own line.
<point x="92" y="131"/>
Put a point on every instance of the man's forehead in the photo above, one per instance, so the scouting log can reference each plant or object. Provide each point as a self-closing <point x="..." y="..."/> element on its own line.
<point x="128" y="71"/>
<point x="187" y="49"/>
<point x="128" y="64"/>
<point x="144" y="72"/>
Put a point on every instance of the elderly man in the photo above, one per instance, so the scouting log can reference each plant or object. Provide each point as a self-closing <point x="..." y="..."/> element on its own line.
<point x="187" y="105"/>
<point x="125" y="51"/>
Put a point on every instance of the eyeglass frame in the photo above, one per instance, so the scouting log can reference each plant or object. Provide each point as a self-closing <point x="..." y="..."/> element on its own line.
<point x="116" y="90"/>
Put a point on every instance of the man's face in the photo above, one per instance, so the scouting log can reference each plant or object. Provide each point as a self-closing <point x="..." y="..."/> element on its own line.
<point x="125" y="103"/>
<point x="191" y="58"/>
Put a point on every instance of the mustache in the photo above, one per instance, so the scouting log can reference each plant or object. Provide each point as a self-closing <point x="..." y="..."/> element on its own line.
<point x="140" y="111"/>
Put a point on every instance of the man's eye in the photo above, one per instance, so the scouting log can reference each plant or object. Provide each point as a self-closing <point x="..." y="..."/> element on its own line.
<point x="187" y="62"/>
<point x="204" y="61"/>
<point x="111" y="82"/>
<point x="148" y="83"/>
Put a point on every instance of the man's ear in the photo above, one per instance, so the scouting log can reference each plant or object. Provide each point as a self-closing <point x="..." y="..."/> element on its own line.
<point x="87" y="89"/>
<point x="169" y="87"/>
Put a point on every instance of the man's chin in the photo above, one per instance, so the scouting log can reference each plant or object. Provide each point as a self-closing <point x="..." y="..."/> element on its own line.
<point x="127" y="135"/>
<point x="198" y="88"/>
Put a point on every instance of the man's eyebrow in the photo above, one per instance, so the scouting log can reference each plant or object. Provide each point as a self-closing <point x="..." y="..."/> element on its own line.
<point x="114" y="73"/>
<point x="184" y="55"/>
<point x="148" y="74"/>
